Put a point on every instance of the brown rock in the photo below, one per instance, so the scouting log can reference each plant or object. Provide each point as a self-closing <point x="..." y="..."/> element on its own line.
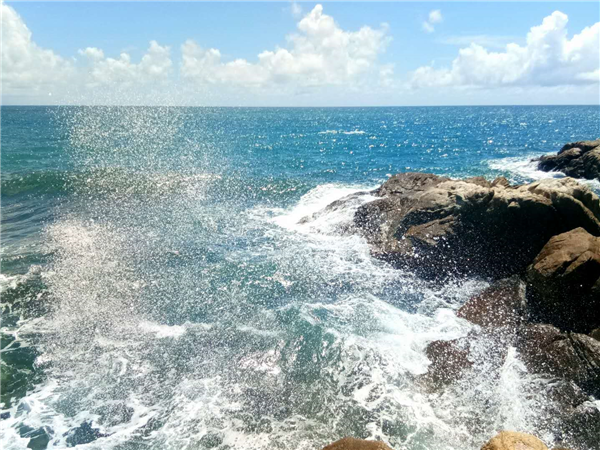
<point x="596" y="334"/>
<point x="512" y="440"/>
<point x="563" y="279"/>
<point x="572" y="357"/>
<point x="438" y="227"/>
<point x="500" y="305"/>
<point x="349" y="443"/>
<point x="448" y="362"/>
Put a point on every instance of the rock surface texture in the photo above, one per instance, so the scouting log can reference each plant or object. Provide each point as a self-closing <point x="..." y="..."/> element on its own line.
<point x="349" y="443"/>
<point x="564" y="281"/>
<point x="576" y="159"/>
<point x="437" y="227"/>
<point x="512" y="440"/>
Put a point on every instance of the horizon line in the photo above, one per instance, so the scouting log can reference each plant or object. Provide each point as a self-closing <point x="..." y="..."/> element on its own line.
<point x="289" y="106"/>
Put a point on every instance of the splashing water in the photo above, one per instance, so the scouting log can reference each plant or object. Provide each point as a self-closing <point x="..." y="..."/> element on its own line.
<point x="186" y="304"/>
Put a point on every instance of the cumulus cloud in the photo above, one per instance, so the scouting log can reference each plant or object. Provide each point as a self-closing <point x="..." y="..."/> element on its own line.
<point x="435" y="16"/>
<point x="320" y="54"/>
<point x="155" y="66"/>
<point x="26" y="66"/>
<point x="549" y="58"/>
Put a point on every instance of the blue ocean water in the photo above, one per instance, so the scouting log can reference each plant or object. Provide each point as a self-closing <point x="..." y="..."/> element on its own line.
<point x="158" y="290"/>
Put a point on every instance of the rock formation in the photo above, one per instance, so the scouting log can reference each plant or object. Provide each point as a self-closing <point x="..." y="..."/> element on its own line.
<point x="576" y="159"/>
<point x="439" y="227"/>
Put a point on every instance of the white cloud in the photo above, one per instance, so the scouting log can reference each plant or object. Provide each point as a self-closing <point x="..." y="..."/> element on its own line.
<point x="296" y="9"/>
<point x="428" y="28"/>
<point x="321" y="54"/>
<point x="26" y="67"/>
<point x="435" y="16"/>
<point x="155" y="66"/>
<point x="548" y="58"/>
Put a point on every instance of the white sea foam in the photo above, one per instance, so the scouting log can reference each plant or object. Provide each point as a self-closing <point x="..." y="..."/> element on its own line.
<point x="524" y="168"/>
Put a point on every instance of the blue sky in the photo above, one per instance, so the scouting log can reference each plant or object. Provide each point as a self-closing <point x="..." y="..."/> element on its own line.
<point x="412" y="50"/>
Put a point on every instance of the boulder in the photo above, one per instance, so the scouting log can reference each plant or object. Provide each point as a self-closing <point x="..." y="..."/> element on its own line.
<point x="572" y="357"/>
<point x="349" y="443"/>
<point x="449" y="359"/>
<point x="512" y="440"/>
<point x="576" y="159"/>
<point x="437" y="227"/>
<point x="503" y="304"/>
<point x="564" y="281"/>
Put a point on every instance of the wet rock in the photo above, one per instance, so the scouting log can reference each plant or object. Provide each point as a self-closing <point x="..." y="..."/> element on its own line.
<point x="564" y="280"/>
<point x="512" y="440"/>
<point x="438" y="227"/>
<point x="576" y="159"/>
<point x="211" y="440"/>
<point x="568" y="356"/>
<point x="349" y="443"/>
<point x="503" y="304"/>
<point x="449" y="359"/>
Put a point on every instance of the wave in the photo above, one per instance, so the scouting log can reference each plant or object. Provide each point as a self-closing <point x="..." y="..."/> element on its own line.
<point x="524" y="169"/>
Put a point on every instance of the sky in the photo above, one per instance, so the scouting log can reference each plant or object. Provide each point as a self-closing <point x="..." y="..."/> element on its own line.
<point x="300" y="53"/>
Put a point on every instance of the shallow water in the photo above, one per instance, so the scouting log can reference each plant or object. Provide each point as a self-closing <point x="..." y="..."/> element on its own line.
<point x="159" y="291"/>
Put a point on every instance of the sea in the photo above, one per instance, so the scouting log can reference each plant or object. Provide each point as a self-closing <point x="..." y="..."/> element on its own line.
<point x="161" y="291"/>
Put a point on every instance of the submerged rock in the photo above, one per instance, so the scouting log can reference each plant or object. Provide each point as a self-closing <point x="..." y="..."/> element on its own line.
<point x="438" y="227"/>
<point x="349" y="443"/>
<point x="564" y="281"/>
<point x="576" y="159"/>
<point x="512" y="440"/>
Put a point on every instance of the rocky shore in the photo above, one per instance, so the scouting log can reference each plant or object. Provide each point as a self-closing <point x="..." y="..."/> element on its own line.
<point x="576" y="159"/>
<point x="505" y="440"/>
<point x="538" y="245"/>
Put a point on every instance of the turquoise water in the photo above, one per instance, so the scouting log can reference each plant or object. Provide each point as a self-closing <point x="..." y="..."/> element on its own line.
<point x="158" y="291"/>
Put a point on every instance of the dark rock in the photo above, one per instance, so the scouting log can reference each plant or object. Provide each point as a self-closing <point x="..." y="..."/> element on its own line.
<point x="349" y="443"/>
<point x="448" y="362"/>
<point x="568" y="356"/>
<point x="211" y="440"/>
<point x="563" y="282"/>
<point x="595" y="334"/>
<point x="438" y="227"/>
<point x="576" y="159"/>
<point x="503" y="304"/>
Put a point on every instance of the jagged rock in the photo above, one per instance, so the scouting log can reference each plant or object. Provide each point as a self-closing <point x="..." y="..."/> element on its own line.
<point x="437" y="226"/>
<point x="564" y="279"/>
<point x="595" y="334"/>
<point x="569" y="356"/>
<point x="512" y="440"/>
<point x="349" y="443"/>
<point x="503" y="304"/>
<point x="576" y="159"/>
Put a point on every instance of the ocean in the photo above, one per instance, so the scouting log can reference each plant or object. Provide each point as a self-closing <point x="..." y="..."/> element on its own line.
<point x="159" y="290"/>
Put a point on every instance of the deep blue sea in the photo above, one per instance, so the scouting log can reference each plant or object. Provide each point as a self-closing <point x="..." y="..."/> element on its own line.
<point x="159" y="292"/>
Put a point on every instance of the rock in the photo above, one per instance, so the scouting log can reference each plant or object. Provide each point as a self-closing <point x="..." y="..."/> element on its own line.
<point x="572" y="357"/>
<point x="349" y="443"/>
<point x="503" y="304"/>
<point x="438" y="227"/>
<point x="595" y="334"/>
<point x="211" y="440"/>
<point x="448" y="361"/>
<point x="563" y="281"/>
<point x="512" y="440"/>
<point x="576" y="159"/>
